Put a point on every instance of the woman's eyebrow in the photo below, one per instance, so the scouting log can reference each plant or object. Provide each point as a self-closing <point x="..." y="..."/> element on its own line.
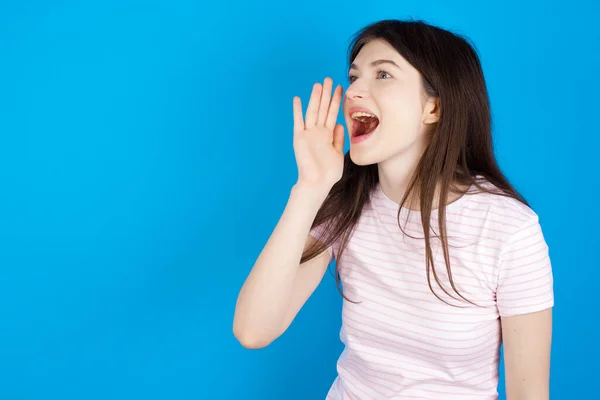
<point x="376" y="63"/>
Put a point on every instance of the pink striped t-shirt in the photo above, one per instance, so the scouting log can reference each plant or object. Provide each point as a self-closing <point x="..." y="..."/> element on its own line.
<point x="402" y="342"/>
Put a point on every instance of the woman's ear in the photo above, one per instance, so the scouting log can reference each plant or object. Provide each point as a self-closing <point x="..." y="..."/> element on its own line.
<point x="431" y="111"/>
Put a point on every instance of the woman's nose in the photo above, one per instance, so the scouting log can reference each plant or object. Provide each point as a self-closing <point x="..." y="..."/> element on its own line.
<point x="356" y="92"/>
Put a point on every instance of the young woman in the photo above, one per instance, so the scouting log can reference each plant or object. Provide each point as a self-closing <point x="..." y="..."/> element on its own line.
<point x="439" y="259"/>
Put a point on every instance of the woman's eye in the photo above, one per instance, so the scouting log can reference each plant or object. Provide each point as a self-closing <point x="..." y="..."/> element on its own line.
<point x="383" y="75"/>
<point x="380" y="75"/>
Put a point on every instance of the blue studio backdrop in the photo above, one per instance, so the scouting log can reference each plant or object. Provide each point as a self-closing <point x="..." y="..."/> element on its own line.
<point x="146" y="155"/>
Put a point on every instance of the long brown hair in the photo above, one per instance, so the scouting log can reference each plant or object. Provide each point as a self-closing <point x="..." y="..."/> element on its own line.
<point x="460" y="145"/>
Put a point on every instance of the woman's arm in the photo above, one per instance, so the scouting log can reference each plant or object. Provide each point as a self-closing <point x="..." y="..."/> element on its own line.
<point x="527" y="341"/>
<point x="278" y="285"/>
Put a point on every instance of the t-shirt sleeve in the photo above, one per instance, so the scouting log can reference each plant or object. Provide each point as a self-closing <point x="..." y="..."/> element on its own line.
<point x="318" y="233"/>
<point x="525" y="280"/>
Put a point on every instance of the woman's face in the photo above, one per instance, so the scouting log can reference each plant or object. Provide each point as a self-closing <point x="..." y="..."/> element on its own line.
<point x="383" y="84"/>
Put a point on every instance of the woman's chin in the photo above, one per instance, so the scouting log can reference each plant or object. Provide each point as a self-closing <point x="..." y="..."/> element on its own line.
<point x="361" y="156"/>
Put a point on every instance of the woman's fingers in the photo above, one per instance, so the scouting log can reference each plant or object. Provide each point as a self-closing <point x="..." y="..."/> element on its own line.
<point x="325" y="100"/>
<point x="313" y="106"/>
<point x="298" y="119"/>
<point x="334" y="108"/>
<point x="323" y="108"/>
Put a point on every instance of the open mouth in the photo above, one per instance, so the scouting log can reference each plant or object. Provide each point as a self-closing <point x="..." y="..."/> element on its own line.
<point x="363" y="123"/>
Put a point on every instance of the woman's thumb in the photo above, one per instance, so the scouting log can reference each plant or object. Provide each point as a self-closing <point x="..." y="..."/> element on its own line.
<point x="338" y="138"/>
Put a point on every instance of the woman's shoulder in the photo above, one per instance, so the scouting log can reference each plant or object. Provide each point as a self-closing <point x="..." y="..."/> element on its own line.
<point x="491" y="200"/>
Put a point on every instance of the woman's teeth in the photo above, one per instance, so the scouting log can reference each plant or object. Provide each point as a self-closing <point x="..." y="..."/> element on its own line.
<point x="362" y="116"/>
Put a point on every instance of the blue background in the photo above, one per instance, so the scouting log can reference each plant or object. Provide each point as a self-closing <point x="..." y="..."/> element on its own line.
<point x="146" y="155"/>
